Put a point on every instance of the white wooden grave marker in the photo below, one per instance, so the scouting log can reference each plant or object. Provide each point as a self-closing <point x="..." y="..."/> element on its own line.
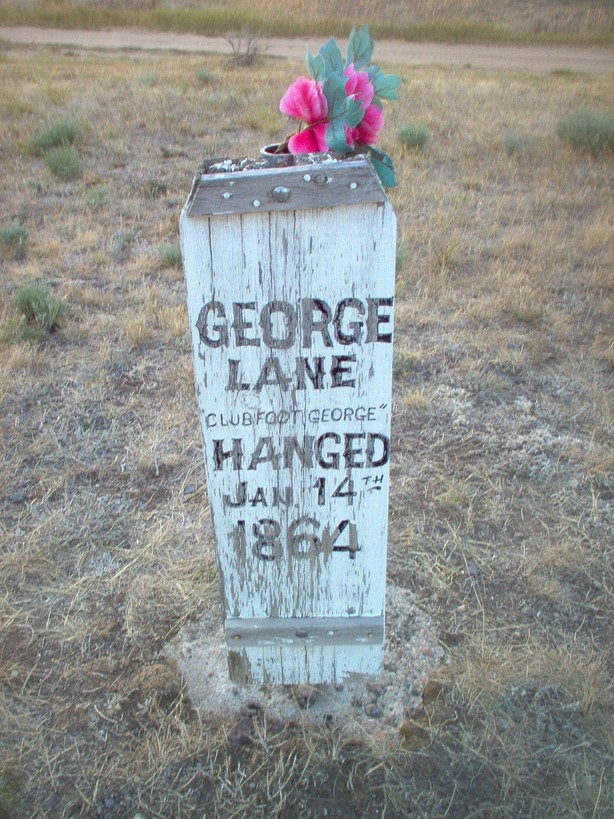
<point x="290" y="280"/>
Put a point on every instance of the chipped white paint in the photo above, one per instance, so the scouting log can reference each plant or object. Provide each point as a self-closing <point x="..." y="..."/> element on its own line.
<point x="290" y="306"/>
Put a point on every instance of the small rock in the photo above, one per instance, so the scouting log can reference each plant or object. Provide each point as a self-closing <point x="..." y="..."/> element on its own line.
<point x="432" y="691"/>
<point x="374" y="711"/>
<point x="253" y="708"/>
<point x="472" y="568"/>
<point x="305" y="695"/>
<point x="412" y="733"/>
<point x="18" y="497"/>
<point x="51" y="802"/>
<point x="241" y="733"/>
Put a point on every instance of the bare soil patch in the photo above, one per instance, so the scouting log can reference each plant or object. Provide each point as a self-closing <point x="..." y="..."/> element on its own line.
<point x="495" y="57"/>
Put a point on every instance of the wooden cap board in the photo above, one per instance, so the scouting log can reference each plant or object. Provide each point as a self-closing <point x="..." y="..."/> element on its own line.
<point x="291" y="310"/>
<point x="326" y="184"/>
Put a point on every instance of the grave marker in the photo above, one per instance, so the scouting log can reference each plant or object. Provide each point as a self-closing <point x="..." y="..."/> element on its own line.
<point x="290" y="280"/>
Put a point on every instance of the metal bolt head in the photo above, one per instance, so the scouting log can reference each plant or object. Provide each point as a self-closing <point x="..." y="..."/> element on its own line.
<point x="321" y="178"/>
<point x="281" y="193"/>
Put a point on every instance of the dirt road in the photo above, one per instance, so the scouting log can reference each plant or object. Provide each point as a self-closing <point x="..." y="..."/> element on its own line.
<point x="499" y="57"/>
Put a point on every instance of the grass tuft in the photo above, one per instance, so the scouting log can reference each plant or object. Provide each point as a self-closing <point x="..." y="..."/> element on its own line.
<point x="170" y="254"/>
<point x="204" y="76"/>
<point x="64" y="162"/>
<point x="414" y="136"/>
<point x="13" y="240"/>
<point x="40" y="311"/>
<point x="514" y="143"/>
<point x="65" y="130"/>
<point x="96" y="197"/>
<point x="588" y="131"/>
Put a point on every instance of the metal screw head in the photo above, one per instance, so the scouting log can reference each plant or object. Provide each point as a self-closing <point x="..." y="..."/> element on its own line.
<point x="256" y="203"/>
<point x="321" y="178"/>
<point x="307" y="177"/>
<point x="353" y="186"/>
<point x="280" y="193"/>
<point x="226" y="195"/>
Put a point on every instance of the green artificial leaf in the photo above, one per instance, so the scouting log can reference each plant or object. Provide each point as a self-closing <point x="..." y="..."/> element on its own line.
<point x="332" y="57"/>
<point x="384" y="85"/>
<point x="382" y="164"/>
<point x="353" y="113"/>
<point x="360" y="48"/>
<point x="315" y="66"/>
<point x="335" y="136"/>
<point x="334" y="91"/>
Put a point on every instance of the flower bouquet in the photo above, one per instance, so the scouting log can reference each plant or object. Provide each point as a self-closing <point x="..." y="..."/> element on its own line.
<point x="339" y="106"/>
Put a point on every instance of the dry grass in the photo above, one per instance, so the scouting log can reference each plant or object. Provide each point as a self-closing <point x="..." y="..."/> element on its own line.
<point x="501" y="507"/>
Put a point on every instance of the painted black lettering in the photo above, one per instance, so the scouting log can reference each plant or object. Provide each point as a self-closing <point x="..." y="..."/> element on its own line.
<point x="220" y="455"/>
<point x="371" y="460"/>
<point x="234" y="377"/>
<point x="311" y="324"/>
<point x="240" y="324"/>
<point x="240" y="499"/>
<point x="215" y="335"/>
<point x="272" y="375"/>
<point x="264" y="453"/>
<point x="329" y="460"/>
<point x="286" y="498"/>
<point x="259" y="498"/>
<point x="339" y="369"/>
<point x="350" y="453"/>
<point x="315" y="375"/>
<point x="354" y="327"/>
<point x="289" y="336"/>
<point x="304" y="453"/>
<point x="375" y="318"/>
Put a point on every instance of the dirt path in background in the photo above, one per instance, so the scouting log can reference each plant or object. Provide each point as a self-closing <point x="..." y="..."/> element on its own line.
<point x="498" y="57"/>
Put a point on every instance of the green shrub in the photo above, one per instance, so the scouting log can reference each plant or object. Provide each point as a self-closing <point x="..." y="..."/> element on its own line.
<point x="41" y="313"/>
<point x="587" y="131"/>
<point x="13" y="240"/>
<point x="513" y="142"/>
<point x="204" y="75"/>
<point x="148" y="79"/>
<point x="414" y="136"/>
<point x="153" y="188"/>
<point x="60" y="132"/>
<point x="96" y="196"/>
<point x="170" y="254"/>
<point x="64" y="163"/>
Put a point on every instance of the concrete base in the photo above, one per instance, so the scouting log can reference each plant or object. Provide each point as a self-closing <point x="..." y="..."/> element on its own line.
<point x="411" y="654"/>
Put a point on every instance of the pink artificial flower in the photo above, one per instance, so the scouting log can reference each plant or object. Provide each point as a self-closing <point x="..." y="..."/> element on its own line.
<point x="304" y="100"/>
<point x="359" y="85"/>
<point x="368" y="131"/>
<point x="309" y="141"/>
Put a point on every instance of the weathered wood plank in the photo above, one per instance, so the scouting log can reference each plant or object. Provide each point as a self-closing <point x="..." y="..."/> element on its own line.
<point x="291" y="315"/>
<point x="325" y="184"/>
